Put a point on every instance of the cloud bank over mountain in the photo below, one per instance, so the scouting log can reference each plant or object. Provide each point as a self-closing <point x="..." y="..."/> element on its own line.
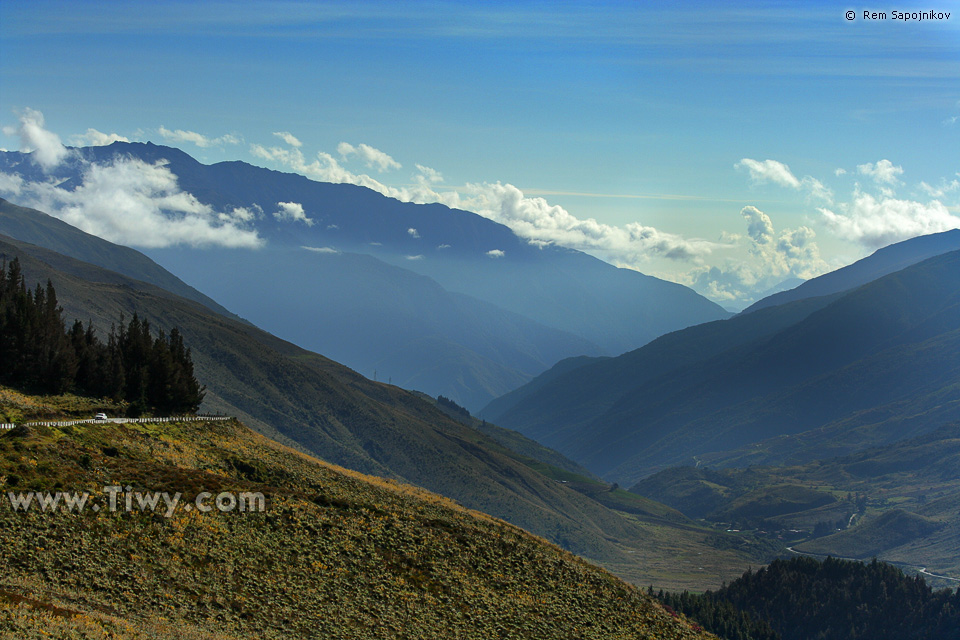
<point x="127" y="201"/>
<point x="734" y="267"/>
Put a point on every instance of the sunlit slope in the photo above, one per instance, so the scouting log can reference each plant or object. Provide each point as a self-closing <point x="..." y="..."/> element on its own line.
<point x="334" y="555"/>
<point x="319" y="406"/>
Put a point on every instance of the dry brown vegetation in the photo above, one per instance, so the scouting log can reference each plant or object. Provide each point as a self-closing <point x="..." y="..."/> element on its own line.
<point x="336" y="554"/>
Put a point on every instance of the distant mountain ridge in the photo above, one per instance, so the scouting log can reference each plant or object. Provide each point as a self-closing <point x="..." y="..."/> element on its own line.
<point x="812" y="378"/>
<point x="353" y="307"/>
<point x="886" y="260"/>
<point x="568" y="291"/>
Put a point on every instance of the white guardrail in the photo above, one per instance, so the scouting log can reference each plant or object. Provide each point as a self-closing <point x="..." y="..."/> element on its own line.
<point x="67" y="423"/>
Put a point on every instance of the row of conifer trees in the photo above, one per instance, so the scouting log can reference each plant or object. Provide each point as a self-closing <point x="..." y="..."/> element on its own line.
<point x="38" y="353"/>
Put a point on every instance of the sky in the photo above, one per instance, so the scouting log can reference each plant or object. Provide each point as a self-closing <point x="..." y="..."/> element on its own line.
<point x="726" y="146"/>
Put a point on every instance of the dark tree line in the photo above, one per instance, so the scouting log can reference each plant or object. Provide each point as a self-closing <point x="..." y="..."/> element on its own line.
<point x="717" y="616"/>
<point x="38" y="354"/>
<point x="806" y="599"/>
<point x="450" y="405"/>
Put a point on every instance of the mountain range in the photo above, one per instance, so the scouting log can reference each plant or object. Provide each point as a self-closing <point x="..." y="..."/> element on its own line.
<point x="318" y="406"/>
<point x="455" y="330"/>
<point x="808" y="379"/>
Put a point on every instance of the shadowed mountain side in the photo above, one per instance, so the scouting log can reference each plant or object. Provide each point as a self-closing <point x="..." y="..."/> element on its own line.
<point x="381" y="319"/>
<point x="335" y="413"/>
<point x="885" y="355"/>
<point x="555" y="405"/>
<point x="892" y="344"/>
<point x="880" y="263"/>
<point x="38" y="228"/>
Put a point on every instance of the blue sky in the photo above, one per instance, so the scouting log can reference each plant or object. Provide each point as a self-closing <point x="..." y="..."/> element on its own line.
<point x="724" y="146"/>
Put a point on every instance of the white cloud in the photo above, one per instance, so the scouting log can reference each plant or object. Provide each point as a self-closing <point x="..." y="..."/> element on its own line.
<point x="532" y="218"/>
<point x="876" y="222"/>
<point x="443" y="246"/>
<point x="496" y="253"/>
<point x="289" y="138"/>
<point x="816" y="189"/>
<point x="374" y="158"/>
<point x="179" y="135"/>
<point x="773" y="258"/>
<point x="413" y="233"/>
<point x="94" y="138"/>
<point x="416" y="257"/>
<point x="769" y="171"/>
<point x="839" y="172"/>
<point x="136" y="203"/>
<point x="292" y="212"/>
<point x="241" y="214"/>
<point x="942" y="190"/>
<point x="779" y="173"/>
<point x="759" y="226"/>
<point x="48" y="151"/>
<point x="536" y="219"/>
<point x="883" y="173"/>
<point x="11" y="185"/>
<point x="428" y="175"/>
<point x="321" y="249"/>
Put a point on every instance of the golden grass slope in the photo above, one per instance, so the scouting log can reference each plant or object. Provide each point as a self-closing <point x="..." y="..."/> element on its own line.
<point x="336" y="554"/>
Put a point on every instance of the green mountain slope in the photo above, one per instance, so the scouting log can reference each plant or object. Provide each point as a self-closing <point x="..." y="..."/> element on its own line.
<point x="321" y="407"/>
<point x="332" y="554"/>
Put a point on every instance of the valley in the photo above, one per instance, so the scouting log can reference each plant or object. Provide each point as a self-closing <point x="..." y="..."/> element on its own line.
<point x="479" y="320"/>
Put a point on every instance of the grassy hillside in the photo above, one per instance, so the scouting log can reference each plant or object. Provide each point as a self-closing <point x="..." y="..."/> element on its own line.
<point x="334" y="553"/>
<point x="318" y="406"/>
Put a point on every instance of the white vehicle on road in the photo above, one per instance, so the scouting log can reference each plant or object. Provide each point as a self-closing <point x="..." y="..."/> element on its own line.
<point x="100" y="416"/>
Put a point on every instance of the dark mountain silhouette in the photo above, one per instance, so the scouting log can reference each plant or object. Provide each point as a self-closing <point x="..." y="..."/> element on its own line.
<point x="820" y="376"/>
